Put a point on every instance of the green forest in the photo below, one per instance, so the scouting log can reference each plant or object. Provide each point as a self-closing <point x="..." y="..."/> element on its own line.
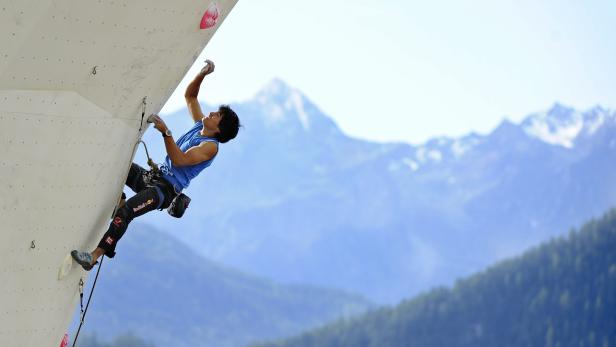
<point x="562" y="293"/>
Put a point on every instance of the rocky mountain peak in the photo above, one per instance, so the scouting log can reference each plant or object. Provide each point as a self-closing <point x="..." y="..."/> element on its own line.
<point x="284" y="105"/>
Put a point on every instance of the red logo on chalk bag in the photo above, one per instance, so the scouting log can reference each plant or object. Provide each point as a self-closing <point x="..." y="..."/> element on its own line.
<point x="64" y="342"/>
<point x="210" y="17"/>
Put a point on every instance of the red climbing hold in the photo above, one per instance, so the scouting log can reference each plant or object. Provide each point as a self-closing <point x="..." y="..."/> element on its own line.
<point x="64" y="342"/>
<point x="210" y="17"/>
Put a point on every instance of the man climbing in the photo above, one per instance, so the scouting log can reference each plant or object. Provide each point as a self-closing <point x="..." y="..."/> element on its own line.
<point x="186" y="158"/>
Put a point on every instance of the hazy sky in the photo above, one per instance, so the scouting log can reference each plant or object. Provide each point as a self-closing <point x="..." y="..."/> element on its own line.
<point x="410" y="70"/>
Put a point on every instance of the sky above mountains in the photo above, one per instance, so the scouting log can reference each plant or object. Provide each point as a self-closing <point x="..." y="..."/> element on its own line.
<point x="409" y="71"/>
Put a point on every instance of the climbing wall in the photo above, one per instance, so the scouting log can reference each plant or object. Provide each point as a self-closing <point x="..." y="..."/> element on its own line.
<point x="73" y="78"/>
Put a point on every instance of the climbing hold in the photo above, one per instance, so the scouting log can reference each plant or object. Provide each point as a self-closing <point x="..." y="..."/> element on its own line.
<point x="210" y="17"/>
<point x="64" y="342"/>
<point x="66" y="267"/>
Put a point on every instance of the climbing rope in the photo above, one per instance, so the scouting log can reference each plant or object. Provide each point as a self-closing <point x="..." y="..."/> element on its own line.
<point x="151" y="162"/>
<point x="83" y="312"/>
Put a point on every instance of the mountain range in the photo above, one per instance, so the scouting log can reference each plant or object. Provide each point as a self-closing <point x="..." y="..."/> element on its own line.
<point x="296" y="200"/>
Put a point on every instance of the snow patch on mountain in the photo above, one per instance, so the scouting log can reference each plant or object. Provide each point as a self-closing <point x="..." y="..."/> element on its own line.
<point x="275" y="113"/>
<point x="595" y="119"/>
<point x="267" y="99"/>
<point x="460" y="146"/>
<point x="411" y="164"/>
<point x="594" y="125"/>
<point x="404" y="163"/>
<point x="425" y="154"/>
<point x="295" y="102"/>
<point x="562" y="125"/>
<point x="274" y="90"/>
<point x="562" y="135"/>
<point x="282" y="103"/>
<point x="559" y="126"/>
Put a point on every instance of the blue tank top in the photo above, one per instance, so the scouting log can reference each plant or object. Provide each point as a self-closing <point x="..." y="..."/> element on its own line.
<point x="180" y="176"/>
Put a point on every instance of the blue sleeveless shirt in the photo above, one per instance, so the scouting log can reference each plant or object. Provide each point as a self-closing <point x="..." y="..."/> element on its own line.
<point x="180" y="176"/>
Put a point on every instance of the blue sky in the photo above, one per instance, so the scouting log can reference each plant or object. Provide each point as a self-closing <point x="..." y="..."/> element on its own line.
<point x="394" y="70"/>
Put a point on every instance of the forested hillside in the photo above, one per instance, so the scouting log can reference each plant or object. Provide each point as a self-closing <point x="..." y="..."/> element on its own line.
<point x="560" y="294"/>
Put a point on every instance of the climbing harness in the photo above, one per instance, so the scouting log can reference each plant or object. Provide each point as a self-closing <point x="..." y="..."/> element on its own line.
<point x="180" y="202"/>
<point x="154" y="174"/>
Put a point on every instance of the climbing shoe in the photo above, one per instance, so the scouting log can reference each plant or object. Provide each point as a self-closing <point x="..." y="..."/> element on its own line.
<point x="84" y="259"/>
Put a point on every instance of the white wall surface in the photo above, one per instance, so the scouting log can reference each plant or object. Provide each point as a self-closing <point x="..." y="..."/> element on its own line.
<point x="67" y="135"/>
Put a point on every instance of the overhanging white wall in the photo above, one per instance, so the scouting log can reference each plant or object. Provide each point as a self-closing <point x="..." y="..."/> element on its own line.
<point x="67" y="135"/>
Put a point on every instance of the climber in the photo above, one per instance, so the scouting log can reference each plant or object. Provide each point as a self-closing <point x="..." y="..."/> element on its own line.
<point x="186" y="158"/>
